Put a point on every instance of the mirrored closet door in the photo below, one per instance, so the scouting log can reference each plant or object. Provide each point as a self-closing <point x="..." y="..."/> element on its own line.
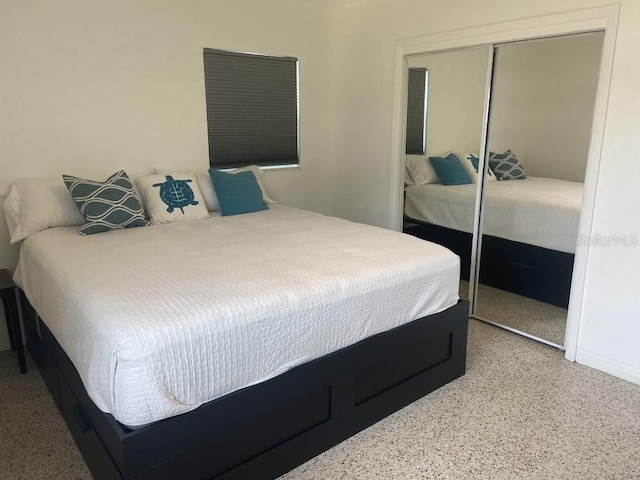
<point x="521" y="113"/>
<point x="541" y="111"/>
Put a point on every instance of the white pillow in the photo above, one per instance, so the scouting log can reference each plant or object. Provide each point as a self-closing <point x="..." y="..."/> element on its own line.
<point x="471" y="170"/>
<point x="420" y="171"/>
<point x="36" y="204"/>
<point x="172" y="197"/>
<point x="209" y="194"/>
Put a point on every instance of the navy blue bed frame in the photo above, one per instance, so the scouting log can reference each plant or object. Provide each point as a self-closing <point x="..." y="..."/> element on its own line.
<point x="265" y="430"/>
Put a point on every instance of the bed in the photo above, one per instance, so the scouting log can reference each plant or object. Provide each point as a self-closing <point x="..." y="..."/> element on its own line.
<point x="235" y="347"/>
<point x="530" y="231"/>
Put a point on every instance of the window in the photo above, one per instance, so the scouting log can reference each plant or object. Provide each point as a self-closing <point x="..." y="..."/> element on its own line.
<point x="417" y="110"/>
<point x="252" y="108"/>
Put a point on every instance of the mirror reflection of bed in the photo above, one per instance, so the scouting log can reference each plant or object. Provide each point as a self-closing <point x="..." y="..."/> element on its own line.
<point x="542" y="95"/>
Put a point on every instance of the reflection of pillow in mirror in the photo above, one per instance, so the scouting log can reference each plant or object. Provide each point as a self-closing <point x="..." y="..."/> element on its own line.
<point x="506" y="166"/>
<point x="419" y="170"/>
<point x="471" y="162"/>
<point x="450" y="170"/>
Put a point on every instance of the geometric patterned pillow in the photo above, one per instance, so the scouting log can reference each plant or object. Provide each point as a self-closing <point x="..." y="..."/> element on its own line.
<point x="107" y="205"/>
<point x="506" y="166"/>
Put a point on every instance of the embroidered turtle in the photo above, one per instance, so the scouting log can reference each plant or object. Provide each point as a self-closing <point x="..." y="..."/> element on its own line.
<point x="176" y="193"/>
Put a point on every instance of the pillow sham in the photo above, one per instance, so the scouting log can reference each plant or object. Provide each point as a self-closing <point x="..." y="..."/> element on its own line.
<point x="471" y="163"/>
<point x="450" y="170"/>
<point x="237" y="192"/>
<point x="109" y="205"/>
<point x="506" y="166"/>
<point x="419" y="170"/>
<point x="172" y="198"/>
<point x="36" y="204"/>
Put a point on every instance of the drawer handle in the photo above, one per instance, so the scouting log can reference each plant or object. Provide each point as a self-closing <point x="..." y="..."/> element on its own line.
<point x="81" y="418"/>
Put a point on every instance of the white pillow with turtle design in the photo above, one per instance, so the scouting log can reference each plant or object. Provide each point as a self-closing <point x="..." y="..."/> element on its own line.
<point x="471" y="162"/>
<point x="172" y="197"/>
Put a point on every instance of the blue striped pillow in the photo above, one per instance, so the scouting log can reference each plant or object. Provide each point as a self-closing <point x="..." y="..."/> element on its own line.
<point x="506" y="166"/>
<point x="107" y="205"/>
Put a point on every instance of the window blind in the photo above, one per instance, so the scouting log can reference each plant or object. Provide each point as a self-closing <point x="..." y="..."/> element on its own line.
<point x="416" y="111"/>
<point x="252" y="108"/>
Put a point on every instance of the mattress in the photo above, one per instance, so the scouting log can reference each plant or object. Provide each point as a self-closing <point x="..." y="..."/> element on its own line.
<point x="544" y="212"/>
<point x="161" y="319"/>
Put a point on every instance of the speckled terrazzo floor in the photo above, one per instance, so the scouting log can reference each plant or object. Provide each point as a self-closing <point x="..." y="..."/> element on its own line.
<point x="34" y="440"/>
<point x="520" y="412"/>
<point x="522" y="313"/>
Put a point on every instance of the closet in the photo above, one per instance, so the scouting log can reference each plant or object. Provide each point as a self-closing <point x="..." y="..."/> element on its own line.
<point x="515" y="120"/>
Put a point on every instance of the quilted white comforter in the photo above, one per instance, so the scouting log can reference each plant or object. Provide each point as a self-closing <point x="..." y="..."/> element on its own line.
<point x="159" y="320"/>
<point x="544" y="212"/>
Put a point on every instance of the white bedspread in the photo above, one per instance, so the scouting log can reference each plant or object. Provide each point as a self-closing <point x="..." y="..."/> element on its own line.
<point x="538" y="211"/>
<point x="160" y="319"/>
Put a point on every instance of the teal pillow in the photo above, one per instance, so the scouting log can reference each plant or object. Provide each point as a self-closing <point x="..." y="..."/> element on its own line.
<point x="450" y="170"/>
<point x="237" y="192"/>
<point x="107" y="205"/>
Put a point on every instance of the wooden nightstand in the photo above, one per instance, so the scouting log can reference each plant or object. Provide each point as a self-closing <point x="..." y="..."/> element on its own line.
<point x="8" y="293"/>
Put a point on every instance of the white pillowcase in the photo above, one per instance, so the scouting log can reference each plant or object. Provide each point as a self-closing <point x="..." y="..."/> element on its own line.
<point x="420" y="171"/>
<point x="172" y="197"/>
<point x="36" y="204"/>
<point x="209" y="194"/>
<point x="471" y="170"/>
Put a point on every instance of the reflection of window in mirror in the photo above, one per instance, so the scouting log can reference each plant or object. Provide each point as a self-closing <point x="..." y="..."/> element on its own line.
<point x="418" y="84"/>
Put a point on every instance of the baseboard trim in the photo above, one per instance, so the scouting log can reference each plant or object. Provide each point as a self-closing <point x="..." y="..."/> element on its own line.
<point x="611" y="367"/>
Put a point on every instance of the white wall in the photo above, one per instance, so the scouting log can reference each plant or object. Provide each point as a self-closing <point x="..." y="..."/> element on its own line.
<point x="456" y="99"/>
<point x="365" y="38"/>
<point x="542" y="103"/>
<point x="91" y="86"/>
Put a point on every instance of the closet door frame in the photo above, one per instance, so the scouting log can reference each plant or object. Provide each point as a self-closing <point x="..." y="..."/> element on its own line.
<point x="580" y="21"/>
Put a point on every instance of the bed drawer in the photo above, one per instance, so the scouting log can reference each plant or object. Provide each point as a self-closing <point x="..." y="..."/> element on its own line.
<point x="534" y="272"/>
<point x="85" y="436"/>
<point x="40" y="354"/>
<point x="267" y="432"/>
